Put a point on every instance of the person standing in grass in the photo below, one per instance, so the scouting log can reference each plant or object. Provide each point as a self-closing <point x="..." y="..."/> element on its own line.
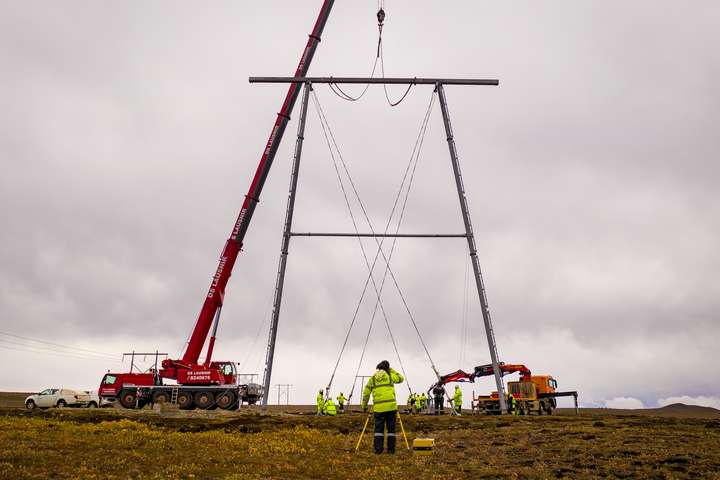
<point x="320" y="402"/>
<point x="382" y="388"/>
<point x="411" y="402"/>
<point x="341" y="403"/>
<point x="438" y="395"/>
<point x="512" y="406"/>
<point x="457" y="399"/>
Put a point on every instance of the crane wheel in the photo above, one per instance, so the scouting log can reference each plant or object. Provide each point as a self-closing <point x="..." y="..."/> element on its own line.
<point x="185" y="401"/>
<point x="161" y="397"/>
<point x="204" y="400"/>
<point x="127" y="399"/>
<point x="226" y="400"/>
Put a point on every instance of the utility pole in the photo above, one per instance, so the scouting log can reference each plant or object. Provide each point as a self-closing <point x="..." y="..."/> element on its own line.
<point x="439" y="84"/>
<point x="280" y="281"/>
<point x="362" y="385"/>
<point x="283" y="391"/>
<point x="473" y="249"/>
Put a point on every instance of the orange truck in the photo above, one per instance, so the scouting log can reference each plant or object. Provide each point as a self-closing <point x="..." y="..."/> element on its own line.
<point x="533" y="394"/>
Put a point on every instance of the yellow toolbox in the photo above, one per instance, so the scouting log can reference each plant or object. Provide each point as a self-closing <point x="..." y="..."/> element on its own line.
<point x="423" y="446"/>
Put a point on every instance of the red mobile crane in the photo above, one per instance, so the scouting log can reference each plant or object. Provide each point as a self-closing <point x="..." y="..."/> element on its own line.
<point x="214" y="383"/>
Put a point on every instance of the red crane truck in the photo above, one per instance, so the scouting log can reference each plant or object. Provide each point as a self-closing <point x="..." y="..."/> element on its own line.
<point x="213" y="384"/>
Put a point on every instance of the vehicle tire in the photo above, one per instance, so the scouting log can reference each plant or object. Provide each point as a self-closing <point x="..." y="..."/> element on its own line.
<point x="185" y="401"/>
<point x="204" y="400"/>
<point x="226" y="400"/>
<point x="61" y="403"/>
<point x="127" y="398"/>
<point x="30" y="405"/>
<point x="161" y="397"/>
<point x="92" y="405"/>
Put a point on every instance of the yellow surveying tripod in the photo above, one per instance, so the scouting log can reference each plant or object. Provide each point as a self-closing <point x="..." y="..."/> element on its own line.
<point x="367" y="420"/>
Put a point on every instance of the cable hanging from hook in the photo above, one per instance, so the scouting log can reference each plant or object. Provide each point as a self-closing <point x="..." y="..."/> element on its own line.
<point x="337" y="90"/>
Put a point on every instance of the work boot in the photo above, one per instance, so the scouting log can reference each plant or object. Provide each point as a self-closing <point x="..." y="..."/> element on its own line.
<point x="378" y="443"/>
<point x="391" y="443"/>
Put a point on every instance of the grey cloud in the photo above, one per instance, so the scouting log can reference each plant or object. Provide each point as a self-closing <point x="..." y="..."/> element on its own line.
<point x="129" y="136"/>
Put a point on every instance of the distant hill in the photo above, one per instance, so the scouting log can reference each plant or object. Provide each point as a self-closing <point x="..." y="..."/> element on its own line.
<point x="676" y="410"/>
<point x="681" y="408"/>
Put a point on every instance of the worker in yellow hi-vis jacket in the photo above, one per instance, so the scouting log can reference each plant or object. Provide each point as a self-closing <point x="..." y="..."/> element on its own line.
<point x="457" y="399"/>
<point x="382" y="387"/>
<point x="341" y="399"/>
<point x="320" y="402"/>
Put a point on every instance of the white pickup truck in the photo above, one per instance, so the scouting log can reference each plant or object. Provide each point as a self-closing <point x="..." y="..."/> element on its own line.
<point x="58" y="397"/>
<point x="96" y="401"/>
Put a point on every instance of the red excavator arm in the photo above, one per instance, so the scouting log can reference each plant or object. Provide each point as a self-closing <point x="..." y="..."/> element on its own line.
<point x="214" y="298"/>
<point x="484" y="371"/>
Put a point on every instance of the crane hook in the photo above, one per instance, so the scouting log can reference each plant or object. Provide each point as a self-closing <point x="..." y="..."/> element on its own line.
<point x="380" y="17"/>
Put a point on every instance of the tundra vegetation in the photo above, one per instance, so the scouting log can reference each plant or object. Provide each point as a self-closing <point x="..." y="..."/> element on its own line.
<point x="176" y="444"/>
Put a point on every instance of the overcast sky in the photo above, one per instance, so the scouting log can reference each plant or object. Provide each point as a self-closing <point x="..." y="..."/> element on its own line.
<point x="129" y="135"/>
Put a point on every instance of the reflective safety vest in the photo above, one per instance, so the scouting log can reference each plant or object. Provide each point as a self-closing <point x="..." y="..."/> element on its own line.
<point x="341" y="399"/>
<point x="512" y="402"/>
<point x="457" y="398"/>
<point x="320" y="401"/>
<point x="382" y="387"/>
<point x="330" y="408"/>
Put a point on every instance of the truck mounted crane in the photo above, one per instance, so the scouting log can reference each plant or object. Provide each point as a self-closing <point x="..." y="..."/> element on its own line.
<point x="532" y="393"/>
<point x="209" y="383"/>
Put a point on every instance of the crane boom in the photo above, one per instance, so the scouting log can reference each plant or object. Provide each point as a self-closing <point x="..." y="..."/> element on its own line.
<point x="483" y="371"/>
<point x="216" y="292"/>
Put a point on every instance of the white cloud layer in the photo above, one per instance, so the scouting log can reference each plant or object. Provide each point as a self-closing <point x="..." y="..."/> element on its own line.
<point x="624" y="402"/>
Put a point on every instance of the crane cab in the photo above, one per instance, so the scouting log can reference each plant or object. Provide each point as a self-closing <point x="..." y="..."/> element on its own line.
<point x="532" y="388"/>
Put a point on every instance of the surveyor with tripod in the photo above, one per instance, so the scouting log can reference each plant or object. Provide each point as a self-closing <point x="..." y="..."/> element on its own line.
<point x="382" y="387"/>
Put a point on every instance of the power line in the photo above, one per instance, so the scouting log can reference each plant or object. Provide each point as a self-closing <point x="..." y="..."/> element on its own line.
<point x="326" y="129"/>
<point x="51" y="352"/>
<point x="66" y="347"/>
<point x="414" y="159"/>
<point x="362" y="248"/>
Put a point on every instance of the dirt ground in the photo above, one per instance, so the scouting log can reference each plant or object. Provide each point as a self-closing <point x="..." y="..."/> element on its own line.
<point x="291" y="442"/>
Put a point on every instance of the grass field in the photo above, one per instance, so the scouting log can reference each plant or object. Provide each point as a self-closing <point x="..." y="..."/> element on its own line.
<point x="113" y="443"/>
